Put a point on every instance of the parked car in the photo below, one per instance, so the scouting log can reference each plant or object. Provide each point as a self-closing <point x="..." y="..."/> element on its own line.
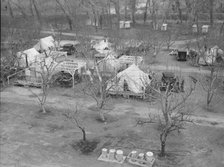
<point x="69" y="48"/>
<point x="181" y="56"/>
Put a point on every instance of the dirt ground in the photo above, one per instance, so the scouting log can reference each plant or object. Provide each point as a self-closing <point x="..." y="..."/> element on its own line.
<point x="31" y="139"/>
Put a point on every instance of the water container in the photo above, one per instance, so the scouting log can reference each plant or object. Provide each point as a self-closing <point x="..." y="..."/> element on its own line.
<point x="111" y="154"/>
<point x="149" y="156"/>
<point x="119" y="155"/>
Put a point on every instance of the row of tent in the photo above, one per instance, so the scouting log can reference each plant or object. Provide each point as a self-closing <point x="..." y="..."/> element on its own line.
<point x="132" y="78"/>
<point x="27" y="57"/>
<point x="108" y="59"/>
<point x="46" y="51"/>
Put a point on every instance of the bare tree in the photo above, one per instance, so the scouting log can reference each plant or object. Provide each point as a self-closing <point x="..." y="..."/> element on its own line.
<point x="97" y="89"/>
<point x="74" y="116"/>
<point x="211" y="6"/>
<point x="170" y="38"/>
<point x="66" y="12"/>
<point x="20" y="8"/>
<point x="38" y="14"/>
<point x="154" y="10"/>
<point x="178" y="5"/>
<point x="133" y="10"/>
<point x="213" y="82"/>
<point x="174" y="114"/>
<point x="221" y="29"/>
<point x="117" y="9"/>
<point x="45" y="68"/>
<point x="10" y="9"/>
<point x="147" y="3"/>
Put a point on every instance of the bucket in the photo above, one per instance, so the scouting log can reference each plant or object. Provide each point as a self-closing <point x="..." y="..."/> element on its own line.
<point x="104" y="153"/>
<point x="111" y="154"/>
<point x="149" y="156"/>
<point x="134" y="154"/>
<point x="141" y="156"/>
<point x="119" y="155"/>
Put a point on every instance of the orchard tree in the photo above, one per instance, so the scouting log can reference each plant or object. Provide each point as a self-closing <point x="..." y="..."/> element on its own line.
<point x="212" y="82"/>
<point x="170" y="37"/>
<point x="174" y="114"/>
<point x="73" y="115"/>
<point x="45" y="69"/>
<point x="213" y="60"/>
<point x="97" y="88"/>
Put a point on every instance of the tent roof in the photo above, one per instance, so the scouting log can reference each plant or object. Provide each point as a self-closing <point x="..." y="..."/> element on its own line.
<point x="45" y="43"/>
<point x="136" y="79"/>
<point x="30" y="52"/>
<point x="132" y="72"/>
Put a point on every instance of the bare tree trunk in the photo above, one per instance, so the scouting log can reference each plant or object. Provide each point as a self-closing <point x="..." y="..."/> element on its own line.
<point x="189" y="8"/>
<point x="43" y="108"/>
<point x="125" y="10"/>
<point x="10" y="9"/>
<point x="154" y="19"/>
<point x="179" y="10"/>
<point x="95" y="18"/>
<point x="37" y="12"/>
<point x="100" y="108"/>
<point x="146" y="11"/>
<point x="69" y="19"/>
<point x="21" y="10"/>
<point x="163" y="143"/>
<point x="44" y="97"/>
<point x="221" y="29"/>
<point x="110" y="19"/>
<point x="31" y="8"/>
<point x="83" y="134"/>
<point x="133" y="8"/>
<point x="210" y="92"/>
<point x="211" y="4"/>
<point x="117" y="10"/>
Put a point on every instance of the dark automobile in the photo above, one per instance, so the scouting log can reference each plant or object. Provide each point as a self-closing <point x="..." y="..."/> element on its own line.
<point x="69" y="48"/>
<point x="181" y="56"/>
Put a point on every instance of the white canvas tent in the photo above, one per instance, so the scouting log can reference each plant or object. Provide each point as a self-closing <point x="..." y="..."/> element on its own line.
<point x="102" y="47"/>
<point x="45" y="44"/>
<point x="211" y="55"/>
<point x="33" y="73"/>
<point x="27" y="57"/>
<point x="135" y="78"/>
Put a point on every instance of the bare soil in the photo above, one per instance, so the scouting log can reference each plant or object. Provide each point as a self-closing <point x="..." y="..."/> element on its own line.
<point x="30" y="138"/>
